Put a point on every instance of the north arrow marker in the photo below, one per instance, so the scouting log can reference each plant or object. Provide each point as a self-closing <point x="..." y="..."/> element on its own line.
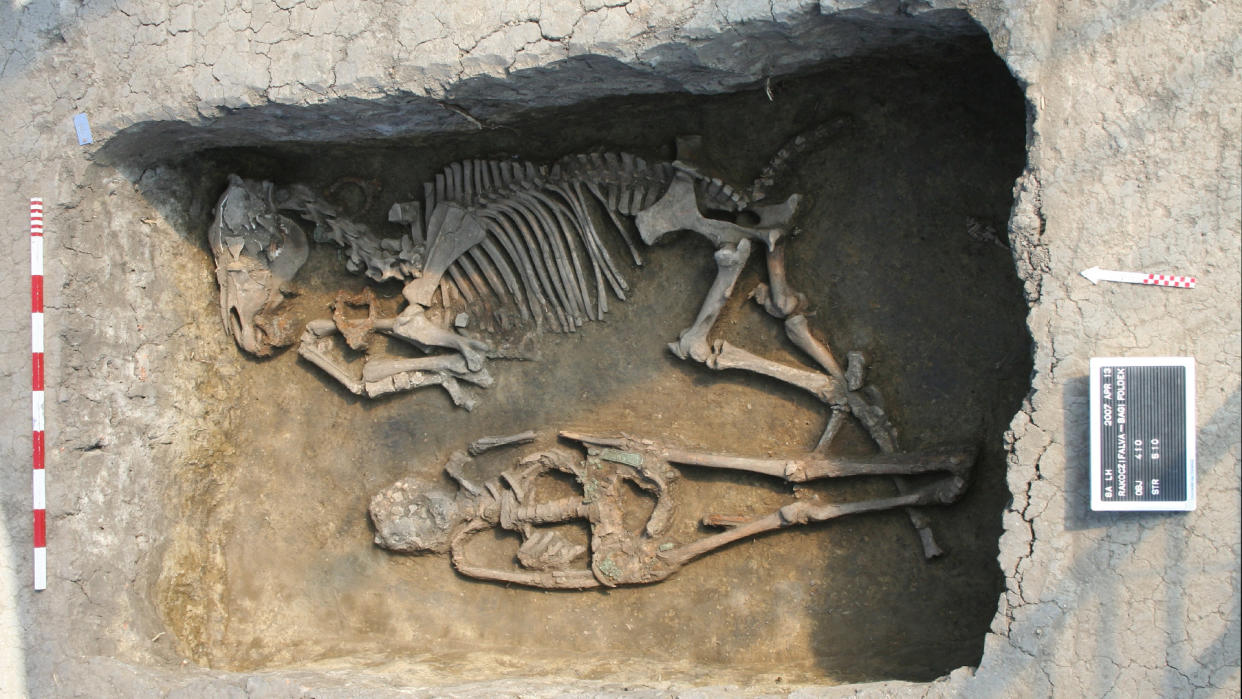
<point x="1097" y="275"/>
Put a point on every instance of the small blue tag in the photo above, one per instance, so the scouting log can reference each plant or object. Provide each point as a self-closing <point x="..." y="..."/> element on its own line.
<point x="83" y="128"/>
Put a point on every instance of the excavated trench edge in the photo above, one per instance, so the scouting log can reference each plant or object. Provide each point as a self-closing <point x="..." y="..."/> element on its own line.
<point x="128" y="155"/>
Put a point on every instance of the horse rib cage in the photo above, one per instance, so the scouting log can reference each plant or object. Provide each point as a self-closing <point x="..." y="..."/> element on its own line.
<point x="542" y="255"/>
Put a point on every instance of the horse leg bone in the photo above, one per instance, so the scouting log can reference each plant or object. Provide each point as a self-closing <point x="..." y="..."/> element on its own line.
<point x="413" y="326"/>
<point x="798" y="331"/>
<point x="410" y="380"/>
<point x="314" y="346"/>
<point x="726" y="356"/>
<point x="835" y="422"/>
<point x="452" y="364"/>
<point x="872" y="418"/>
<point x="855" y="370"/>
<point x="729" y="263"/>
<point x="777" y="297"/>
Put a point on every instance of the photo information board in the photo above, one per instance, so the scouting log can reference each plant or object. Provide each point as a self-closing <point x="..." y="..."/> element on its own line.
<point x="1142" y="433"/>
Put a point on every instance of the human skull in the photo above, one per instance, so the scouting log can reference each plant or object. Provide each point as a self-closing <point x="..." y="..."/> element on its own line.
<point x="412" y="516"/>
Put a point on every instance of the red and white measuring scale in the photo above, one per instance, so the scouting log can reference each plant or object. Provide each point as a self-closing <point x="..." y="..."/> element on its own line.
<point x="36" y="391"/>
<point x="1097" y="275"/>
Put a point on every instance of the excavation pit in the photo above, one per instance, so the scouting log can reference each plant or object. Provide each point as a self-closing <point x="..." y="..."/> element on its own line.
<point x="902" y="251"/>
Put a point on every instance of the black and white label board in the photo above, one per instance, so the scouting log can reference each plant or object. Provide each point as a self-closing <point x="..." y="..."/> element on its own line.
<point x="1142" y="433"/>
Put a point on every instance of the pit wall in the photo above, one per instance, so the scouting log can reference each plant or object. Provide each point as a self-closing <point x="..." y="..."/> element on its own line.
<point x="1133" y="164"/>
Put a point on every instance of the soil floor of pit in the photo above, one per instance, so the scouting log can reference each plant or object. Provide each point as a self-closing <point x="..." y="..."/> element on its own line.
<point x="273" y="562"/>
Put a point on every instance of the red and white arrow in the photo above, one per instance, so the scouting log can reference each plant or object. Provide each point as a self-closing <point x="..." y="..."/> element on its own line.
<point x="1097" y="275"/>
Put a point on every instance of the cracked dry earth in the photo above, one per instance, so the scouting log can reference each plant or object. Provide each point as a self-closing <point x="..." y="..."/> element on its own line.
<point x="1126" y="156"/>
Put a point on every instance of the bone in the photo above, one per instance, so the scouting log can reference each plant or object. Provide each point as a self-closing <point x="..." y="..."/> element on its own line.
<point x="797" y="330"/>
<point x="565" y="226"/>
<point x="571" y="284"/>
<point x="414" y="326"/>
<point x="580" y="228"/>
<point x="835" y="422"/>
<point x="616" y="220"/>
<point x="378" y="258"/>
<point x="955" y="461"/>
<point x="855" y="368"/>
<point x="448" y="298"/>
<point x="546" y="579"/>
<point x="872" y="418"/>
<point x="800" y="513"/>
<point x="777" y="298"/>
<point x="510" y="239"/>
<point x="548" y="550"/>
<point x="693" y="340"/>
<point x="441" y="196"/>
<point x="591" y="236"/>
<point x="411" y="380"/>
<point x="484" y="444"/>
<point x="825" y="388"/>
<point x="479" y="265"/>
<point x="541" y="251"/>
<point x="379" y="369"/>
<point x="542" y="256"/>
<point x="429" y="203"/>
<point x="497" y="176"/>
<point x="778" y="215"/>
<point x="457" y="460"/>
<point x="471" y="287"/>
<point x="411" y="214"/>
<point x="599" y="251"/>
<point x="496" y="261"/>
<point x="678" y="210"/>
<point x="458" y="190"/>
<point x="356" y="331"/>
<point x="257" y="253"/>
<point x="452" y="231"/>
<point x="459" y="397"/>
<point x="321" y="327"/>
<point x="310" y="350"/>
<point x="439" y="522"/>
<point x="482" y="182"/>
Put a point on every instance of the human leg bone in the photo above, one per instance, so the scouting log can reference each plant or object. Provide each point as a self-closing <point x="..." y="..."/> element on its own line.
<point x="803" y="512"/>
<point x="954" y="461"/>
